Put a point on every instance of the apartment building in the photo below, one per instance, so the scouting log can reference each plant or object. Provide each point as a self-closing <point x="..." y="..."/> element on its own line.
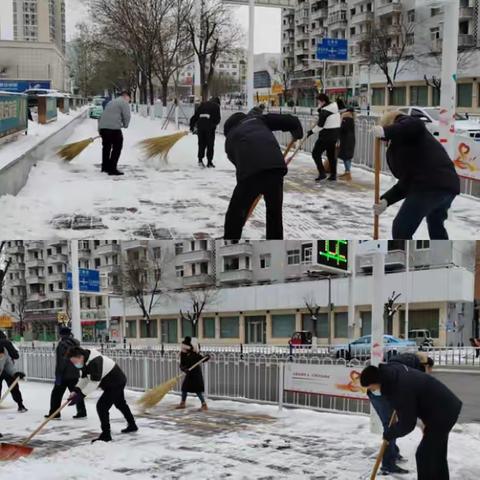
<point x="418" y="25"/>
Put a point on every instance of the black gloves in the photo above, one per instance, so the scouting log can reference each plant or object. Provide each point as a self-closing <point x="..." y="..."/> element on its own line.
<point x="19" y="375"/>
<point x="309" y="133"/>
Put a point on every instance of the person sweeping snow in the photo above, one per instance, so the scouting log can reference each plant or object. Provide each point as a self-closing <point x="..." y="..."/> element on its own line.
<point x="205" y="121"/>
<point x="7" y="370"/>
<point x="328" y="129"/>
<point x="99" y="371"/>
<point x="193" y="381"/>
<point x="346" y="151"/>
<point x="253" y="149"/>
<point x="427" y="180"/>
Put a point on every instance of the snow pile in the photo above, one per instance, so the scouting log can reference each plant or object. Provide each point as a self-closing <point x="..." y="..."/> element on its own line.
<point x="233" y="440"/>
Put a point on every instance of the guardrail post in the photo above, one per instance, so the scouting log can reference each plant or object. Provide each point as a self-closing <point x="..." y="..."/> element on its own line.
<point x="290" y="357"/>
<point x="162" y="350"/>
<point x="206" y="378"/>
<point x="130" y="348"/>
<point x="146" y="371"/>
<point x="241" y="351"/>
<point x="280" y="385"/>
<point x="24" y="364"/>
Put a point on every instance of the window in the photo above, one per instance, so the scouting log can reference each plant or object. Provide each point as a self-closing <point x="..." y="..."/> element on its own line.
<point x="97" y="262"/>
<point x="187" y="328"/>
<point x="178" y="248"/>
<point x="157" y="252"/>
<point x="209" y="327"/>
<point x="464" y="94"/>
<point x="307" y="252"/>
<point x="231" y="263"/>
<point x="422" y="245"/>
<point x="293" y="257"/>
<point x="131" y="329"/>
<point x="398" y="96"/>
<point x="378" y="96"/>
<point x="322" y="324"/>
<point x="419" y="96"/>
<point x="366" y="323"/>
<point x="411" y="16"/>
<point x="421" y="319"/>
<point x="341" y="325"/>
<point x="148" y="329"/>
<point x="229" y="327"/>
<point x="265" y="260"/>
<point x="283" y="326"/>
<point x="179" y="271"/>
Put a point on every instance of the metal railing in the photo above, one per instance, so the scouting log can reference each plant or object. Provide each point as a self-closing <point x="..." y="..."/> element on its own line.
<point x="248" y="377"/>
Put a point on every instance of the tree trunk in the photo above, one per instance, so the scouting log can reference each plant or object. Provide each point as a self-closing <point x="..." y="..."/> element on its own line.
<point x="164" y="93"/>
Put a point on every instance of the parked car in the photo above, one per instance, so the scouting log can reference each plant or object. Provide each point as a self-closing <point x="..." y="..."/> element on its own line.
<point x="421" y="337"/>
<point x="431" y="116"/>
<point x="96" y="111"/>
<point x="301" y="339"/>
<point x="360" y="348"/>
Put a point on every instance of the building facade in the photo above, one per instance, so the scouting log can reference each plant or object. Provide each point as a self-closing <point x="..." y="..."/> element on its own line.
<point x="416" y="25"/>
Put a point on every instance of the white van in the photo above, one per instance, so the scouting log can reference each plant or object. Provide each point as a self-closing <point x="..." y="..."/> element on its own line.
<point x="421" y="337"/>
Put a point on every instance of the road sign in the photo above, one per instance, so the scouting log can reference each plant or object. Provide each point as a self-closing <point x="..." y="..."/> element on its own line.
<point x="89" y="280"/>
<point x="332" y="255"/>
<point x="333" y="49"/>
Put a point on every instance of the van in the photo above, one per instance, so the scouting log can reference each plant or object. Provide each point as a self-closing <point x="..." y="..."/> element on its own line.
<point x="421" y="337"/>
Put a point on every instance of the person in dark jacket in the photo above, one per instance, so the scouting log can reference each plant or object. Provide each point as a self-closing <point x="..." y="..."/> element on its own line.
<point x="12" y="352"/>
<point x="346" y="151"/>
<point x="193" y="381"/>
<point x="416" y="361"/>
<point x="328" y="129"/>
<point x="98" y="371"/>
<point x="66" y="375"/>
<point x="416" y="395"/>
<point x="427" y="179"/>
<point x="205" y="121"/>
<point x="260" y="165"/>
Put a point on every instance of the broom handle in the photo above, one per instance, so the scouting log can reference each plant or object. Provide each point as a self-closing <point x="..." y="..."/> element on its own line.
<point x="12" y="386"/>
<point x="204" y="359"/>
<point x="42" y="425"/>
<point x="287" y="162"/>
<point x="377" y="164"/>
<point x="383" y="448"/>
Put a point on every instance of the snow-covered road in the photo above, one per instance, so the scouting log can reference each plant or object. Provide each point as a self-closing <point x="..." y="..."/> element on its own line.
<point x="74" y="200"/>
<point x="233" y="440"/>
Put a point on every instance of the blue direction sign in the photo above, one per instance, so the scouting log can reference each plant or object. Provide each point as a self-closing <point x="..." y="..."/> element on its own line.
<point x="89" y="280"/>
<point x="333" y="49"/>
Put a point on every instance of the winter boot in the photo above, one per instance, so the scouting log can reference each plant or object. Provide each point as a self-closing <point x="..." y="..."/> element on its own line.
<point x="22" y="409"/>
<point x="347" y="177"/>
<point x="104" y="437"/>
<point x="80" y="415"/>
<point x="321" y="177"/>
<point x="130" y="428"/>
<point x="331" y="178"/>
<point x="203" y="408"/>
<point x="115" y="173"/>
<point x="395" y="469"/>
<point x="201" y="164"/>
<point x="56" y="417"/>
<point x="180" y="406"/>
<point x="210" y="165"/>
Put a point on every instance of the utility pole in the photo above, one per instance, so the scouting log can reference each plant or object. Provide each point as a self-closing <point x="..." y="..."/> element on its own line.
<point x="330" y="311"/>
<point x="407" y="287"/>
<point x="75" y="293"/>
<point x="250" y="54"/>
<point x="352" y="247"/>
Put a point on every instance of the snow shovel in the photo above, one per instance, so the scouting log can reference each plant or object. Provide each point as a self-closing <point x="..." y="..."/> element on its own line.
<point x="287" y="162"/>
<point x="378" y="167"/>
<point x="11" y="451"/>
<point x="382" y="451"/>
<point x="12" y="386"/>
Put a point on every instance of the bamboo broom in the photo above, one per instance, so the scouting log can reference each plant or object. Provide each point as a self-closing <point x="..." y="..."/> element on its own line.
<point x="73" y="150"/>
<point x="160" y="146"/>
<point x="150" y="398"/>
<point x="383" y="449"/>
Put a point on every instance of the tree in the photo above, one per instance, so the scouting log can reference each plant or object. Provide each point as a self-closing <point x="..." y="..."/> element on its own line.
<point x="212" y="34"/>
<point x="4" y="266"/>
<point x="222" y="84"/>
<point x="17" y="306"/>
<point x="314" y="310"/>
<point x="198" y="300"/>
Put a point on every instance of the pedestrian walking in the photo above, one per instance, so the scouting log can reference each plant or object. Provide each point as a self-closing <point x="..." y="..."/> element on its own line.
<point x="115" y="117"/>
<point x="416" y="395"/>
<point x="12" y="352"/>
<point x="427" y="180"/>
<point x="328" y="129"/>
<point x="193" y="381"/>
<point x="260" y="167"/>
<point x="66" y="375"/>
<point x="475" y="343"/>
<point x="346" y="150"/>
<point x="99" y="371"/>
<point x="204" y="122"/>
<point x="8" y="370"/>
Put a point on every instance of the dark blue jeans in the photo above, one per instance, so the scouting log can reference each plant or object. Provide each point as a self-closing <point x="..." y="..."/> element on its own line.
<point x="433" y="206"/>
<point x="199" y="395"/>
<point x="385" y="411"/>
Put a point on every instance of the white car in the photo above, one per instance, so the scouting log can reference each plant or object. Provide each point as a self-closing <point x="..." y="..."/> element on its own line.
<point x="431" y="116"/>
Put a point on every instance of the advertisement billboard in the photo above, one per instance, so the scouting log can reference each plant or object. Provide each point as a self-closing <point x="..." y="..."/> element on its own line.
<point x="20" y="86"/>
<point x="13" y="114"/>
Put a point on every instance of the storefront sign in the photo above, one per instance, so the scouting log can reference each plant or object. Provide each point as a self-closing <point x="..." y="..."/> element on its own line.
<point x="20" y="86"/>
<point x="334" y="380"/>
<point x="13" y="114"/>
<point x="5" y="321"/>
<point x="467" y="157"/>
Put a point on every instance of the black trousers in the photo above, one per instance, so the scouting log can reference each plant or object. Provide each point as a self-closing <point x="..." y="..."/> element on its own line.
<point x="327" y="142"/>
<point x="57" y="395"/>
<point x="206" y="141"/>
<point x="270" y="185"/>
<point x="112" y="149"/>
<point x="109" y="398"/>
<point x="431" y="455"/>
<point x="16" y="394"/>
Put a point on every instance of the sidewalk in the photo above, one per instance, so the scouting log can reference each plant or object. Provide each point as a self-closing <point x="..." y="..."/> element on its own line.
<point x="74" y="200"/>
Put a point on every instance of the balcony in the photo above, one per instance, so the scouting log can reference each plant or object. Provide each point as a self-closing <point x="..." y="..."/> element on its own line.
<point x="195" y="256"/>
<point x="317" y="14"/>
<point x="338" y="20"/>
<point x="109" y="249"/>
<point x="236" y="276"/>
<point x="201" y="280"/>
<point x="37" y="297"/>
<point x="387" y="9"/>
<point x="35" y="279"/>
<point x="466" y="13"/>
<point x="35" y="245"/>
<point x="362" y="17"/>
<point x="361" y="37"/>
<point x="84" y="253"/>
<point x="35" y="262"/>
<point x="395" y="259"/>
<point x="238" y="249"/>
<point x="466" y="40"/>
<point x="135" y="244"/>
<point x="14" y="249"/>
<point x="57" y="258"/>
<point x="56" y="295"/>
<point x="57" y="277"/>
<point x="110" y="268"/>
<point x="17" y="282"/>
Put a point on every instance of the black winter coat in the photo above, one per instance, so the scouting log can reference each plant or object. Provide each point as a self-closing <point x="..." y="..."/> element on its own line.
<point x="347" y="138"/>
<point x="64" y="368"/>
<point x="193" y="381"/>
<point x="409" y="359"/>
<point x="252" y="147"/>
<point x="10" y="348"/>
<point x="206" y="117"/>
<point x="417" y="160"/>
<point x="415" y="394"/>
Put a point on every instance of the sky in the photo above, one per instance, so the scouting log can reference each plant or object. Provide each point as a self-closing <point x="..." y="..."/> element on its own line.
<point x="267" y="24"/>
